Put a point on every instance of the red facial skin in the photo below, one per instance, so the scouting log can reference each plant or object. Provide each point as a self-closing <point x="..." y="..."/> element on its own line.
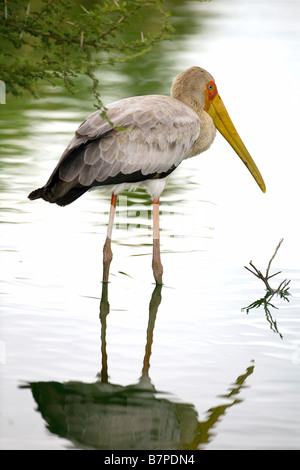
<point x="210" y="92"/>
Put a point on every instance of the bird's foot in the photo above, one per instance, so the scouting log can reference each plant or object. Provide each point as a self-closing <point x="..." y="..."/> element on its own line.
<point x="158" y="276"/>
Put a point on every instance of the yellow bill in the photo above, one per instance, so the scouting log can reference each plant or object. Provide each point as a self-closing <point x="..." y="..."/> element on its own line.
<point x="217" y="111"/>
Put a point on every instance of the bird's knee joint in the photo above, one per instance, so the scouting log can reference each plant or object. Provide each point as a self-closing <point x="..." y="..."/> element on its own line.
<point x="107" y="252"/>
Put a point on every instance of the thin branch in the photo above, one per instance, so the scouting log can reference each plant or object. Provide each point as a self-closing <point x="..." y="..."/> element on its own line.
<point x="77" y="41"/>
<point x="44" y="10"/>
<point x="25" y="21"/>
<point x="275" y="253"/>
<point x="282" y="288"/>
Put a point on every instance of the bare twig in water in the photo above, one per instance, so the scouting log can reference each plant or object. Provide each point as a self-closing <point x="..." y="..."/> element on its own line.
<point x="265" y="302"/>
<point x="282" y="289"/>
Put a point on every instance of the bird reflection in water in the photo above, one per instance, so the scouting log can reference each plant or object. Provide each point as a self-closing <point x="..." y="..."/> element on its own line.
<point x="108" y="416"/>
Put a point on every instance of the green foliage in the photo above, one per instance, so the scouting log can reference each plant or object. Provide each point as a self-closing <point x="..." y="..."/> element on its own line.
<point x="56" y="41"/>
<point x="265" y="303"/>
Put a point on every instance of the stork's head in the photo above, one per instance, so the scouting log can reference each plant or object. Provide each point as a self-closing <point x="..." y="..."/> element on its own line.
<point x="196" y="88"/>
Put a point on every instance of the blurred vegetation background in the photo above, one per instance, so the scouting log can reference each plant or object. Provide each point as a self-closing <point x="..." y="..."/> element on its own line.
<point x="57" y="42"/>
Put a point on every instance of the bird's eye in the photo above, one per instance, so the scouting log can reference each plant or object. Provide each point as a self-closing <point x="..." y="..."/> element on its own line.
<point x="210" y="86"/>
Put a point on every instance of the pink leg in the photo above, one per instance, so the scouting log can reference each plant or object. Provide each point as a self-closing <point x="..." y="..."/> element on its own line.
<point x="107" y="253"/>
<point x="156" y="263"/>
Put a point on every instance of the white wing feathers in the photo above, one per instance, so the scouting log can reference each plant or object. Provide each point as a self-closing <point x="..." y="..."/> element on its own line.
<point x="159" y="133"/>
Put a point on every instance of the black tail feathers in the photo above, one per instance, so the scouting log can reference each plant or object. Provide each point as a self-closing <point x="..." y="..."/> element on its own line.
<point x="36" y="194"/>
<point x="64" y="200"/>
